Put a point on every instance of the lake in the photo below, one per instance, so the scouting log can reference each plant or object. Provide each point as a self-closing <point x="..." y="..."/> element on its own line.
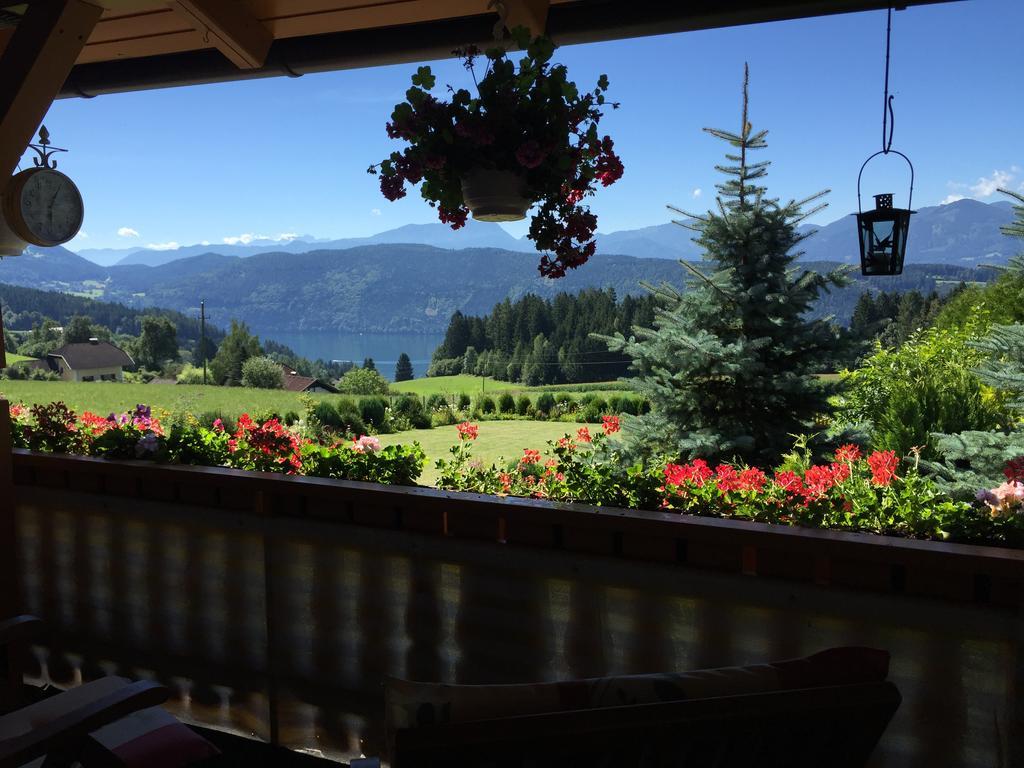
<point x="384" y="348"/>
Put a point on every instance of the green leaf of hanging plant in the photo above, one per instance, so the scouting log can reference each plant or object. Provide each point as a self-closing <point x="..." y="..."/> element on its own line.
<point x="424" y="78"/>
<point x="521" y="35"/>
<point x="541" y="49"/>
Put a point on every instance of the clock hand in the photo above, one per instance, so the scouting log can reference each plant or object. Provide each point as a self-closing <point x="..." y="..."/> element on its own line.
<point x="53" y="201"/>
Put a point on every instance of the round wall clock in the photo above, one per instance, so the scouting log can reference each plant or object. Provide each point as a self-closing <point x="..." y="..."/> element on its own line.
<point x="41" y="205"/>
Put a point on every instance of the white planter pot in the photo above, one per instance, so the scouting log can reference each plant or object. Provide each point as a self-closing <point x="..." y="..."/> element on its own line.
<point x="495" y="195"/>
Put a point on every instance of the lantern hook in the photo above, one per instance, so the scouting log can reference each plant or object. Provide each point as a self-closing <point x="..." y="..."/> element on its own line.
<point x="910" y="198"/>
<point x="888" y="117"/>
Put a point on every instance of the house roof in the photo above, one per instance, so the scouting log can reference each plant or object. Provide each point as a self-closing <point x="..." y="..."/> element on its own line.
<point x="85" y="355"/>
<point x="141" y="44"/>
<point x="293" y="382"/>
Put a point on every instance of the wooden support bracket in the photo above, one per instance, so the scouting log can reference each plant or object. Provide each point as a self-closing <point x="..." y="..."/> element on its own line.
<point x="231" y="27"/>
<point x="33" y="66"/>
<point x="532" y="14"/>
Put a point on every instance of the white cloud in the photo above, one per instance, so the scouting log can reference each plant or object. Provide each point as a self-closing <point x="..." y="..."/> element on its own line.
<point x="83" y="234"/>
<point x="986" y="186"/>
<point x="249" y="237"/>
<point x="205" y="242"/>
<point x="127" y="232"/>
<point x="697" y="192"/>
<point x="375" y="211"/>
<point x="171" y="246"/>
<point x="950" y="199"/>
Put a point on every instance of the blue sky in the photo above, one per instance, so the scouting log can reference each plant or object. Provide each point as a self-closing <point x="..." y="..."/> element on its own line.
<point x="288" y="156"/>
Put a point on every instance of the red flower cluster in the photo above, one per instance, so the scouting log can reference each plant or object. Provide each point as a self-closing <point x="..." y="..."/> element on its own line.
<point x="697" y="472"/>
<point x="848" y="453"/>
<point x="583" y="435"/>
<point x="1014" y="470"/>
<point x="467" y="431"/>
<point x="610" y="424"/>
<point x="883" y="466"/>
<point x="269" y="443"/>
<point x="529" y="456"/>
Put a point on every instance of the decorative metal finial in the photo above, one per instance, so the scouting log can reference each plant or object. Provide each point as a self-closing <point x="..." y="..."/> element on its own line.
<point x="44" y="150"/>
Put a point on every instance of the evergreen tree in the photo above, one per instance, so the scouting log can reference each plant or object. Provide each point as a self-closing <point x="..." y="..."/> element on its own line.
<point x="78" y="329"/>
<point x="403" y="368"/>
<point x="369" y="365"/>
<point x="729" y="364"/>
<point x="237" y="347"/>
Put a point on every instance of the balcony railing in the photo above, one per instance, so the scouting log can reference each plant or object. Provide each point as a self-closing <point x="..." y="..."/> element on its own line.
<point x="275" y="606"/>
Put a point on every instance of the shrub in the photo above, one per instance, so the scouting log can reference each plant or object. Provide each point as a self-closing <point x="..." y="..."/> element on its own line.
<point x="590" y="414"/>
<point x="523" y="405"/>
<point x="928" y="385"/>
<point x="443" y="417"/>
<point x="446" y="366"/>
<point x="363" y="381"/>
<point x="373" y="411"/>
<point x="545" y="403"/>
<point x="291" y="418"/>
<point x="485" y="404"/>
<point x="327" y="415"/>
<point x="463" y="401"/>
<point x="506" y="403"/>
<point x="615" y="403"/>
<point x="261" y="373"/>
<point x="351" y="420"/>
<point x="436" y="401"/>
<point x="191" y="374"/>
<point x="411" y="409"/>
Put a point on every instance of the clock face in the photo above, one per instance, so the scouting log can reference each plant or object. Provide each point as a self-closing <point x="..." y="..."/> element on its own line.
<point x="51" y="207"/>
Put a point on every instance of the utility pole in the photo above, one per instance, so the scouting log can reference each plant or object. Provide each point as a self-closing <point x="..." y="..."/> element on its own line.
<point x="202" y="334"/>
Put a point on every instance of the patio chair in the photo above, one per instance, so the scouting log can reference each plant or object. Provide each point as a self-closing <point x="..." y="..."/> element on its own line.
<point x="691" y="719"/>
<point x="107" y="722"/>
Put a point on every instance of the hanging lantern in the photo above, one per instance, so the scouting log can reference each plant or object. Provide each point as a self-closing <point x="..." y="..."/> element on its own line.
<point x="882" y="233"/>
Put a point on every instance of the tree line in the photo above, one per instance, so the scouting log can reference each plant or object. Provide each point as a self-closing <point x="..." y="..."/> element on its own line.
<point x="543" y="341"/>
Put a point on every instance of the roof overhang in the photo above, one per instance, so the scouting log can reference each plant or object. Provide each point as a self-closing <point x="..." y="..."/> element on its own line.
<point x="141" y="44"/>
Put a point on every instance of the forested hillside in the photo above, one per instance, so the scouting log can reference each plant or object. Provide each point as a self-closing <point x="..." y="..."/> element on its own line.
<point x="543" y="341"/>
<point x="383" y="288"/>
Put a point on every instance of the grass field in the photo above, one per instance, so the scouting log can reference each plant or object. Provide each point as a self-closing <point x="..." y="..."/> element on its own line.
<point x="102" y="397"/>
<point x="474" y="385"/>
<point x="497" y="439"/>
<point x="13" y="358"/>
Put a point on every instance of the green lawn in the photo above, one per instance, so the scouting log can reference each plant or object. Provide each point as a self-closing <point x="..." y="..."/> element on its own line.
<point x="103" y="397"/>
<point x="474" y="385"/>
<point x="497" y="439"/>
<point x="13" y="358"/>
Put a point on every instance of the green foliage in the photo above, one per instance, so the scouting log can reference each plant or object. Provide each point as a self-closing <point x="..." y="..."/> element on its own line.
<point x="363" y="381"/>
<point x="237" y="347"/>
<point x="191" y="374"/>
<point x="373" y="411"/>
<point x="393" y="465"/>
<point x="523" y="405"/>
<point x="158" y="342"/>
<point x="80" y="329"/>
<point x="262" y="373"/>
<point x="410" y="410"/>
<point x="545" y="403"/>
<point x="729" y="365"/>
<point x="403" y="368"/>
<point x="927" y="385"/>
<point x="506" y="403"/>
<point x="485" y="404"/>
<point x="463" y="402"/>
<point x="445" y="366"/>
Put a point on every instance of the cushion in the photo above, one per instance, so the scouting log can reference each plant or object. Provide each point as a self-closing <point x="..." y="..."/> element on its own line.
<point x="412" y="705"/>
<point x="151" y="737"/>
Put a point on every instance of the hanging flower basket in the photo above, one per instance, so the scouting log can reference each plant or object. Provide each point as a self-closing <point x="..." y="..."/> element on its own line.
<point x="527" y="140"/>
<point x="495" y="195"/>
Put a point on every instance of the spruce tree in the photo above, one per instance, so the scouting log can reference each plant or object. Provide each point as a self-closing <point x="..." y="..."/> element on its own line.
<point x="729" y="365"/>
<point x="403" y="368"/>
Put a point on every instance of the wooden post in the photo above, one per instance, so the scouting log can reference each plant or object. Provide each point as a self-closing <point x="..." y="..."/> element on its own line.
<point x="10" y="583"/>
<point x="33" y="67"/>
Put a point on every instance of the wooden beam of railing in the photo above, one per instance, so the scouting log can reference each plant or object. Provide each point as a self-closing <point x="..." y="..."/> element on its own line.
<point x="34" y="66"/>
<point x="231" y="27"/>
<point x="532" y="14"/>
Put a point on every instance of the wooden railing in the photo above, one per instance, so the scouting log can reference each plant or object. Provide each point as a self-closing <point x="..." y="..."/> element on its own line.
<point x="276" y="605"/>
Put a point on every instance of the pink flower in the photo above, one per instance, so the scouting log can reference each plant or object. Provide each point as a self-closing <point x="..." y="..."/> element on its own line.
<point x="218" y="425"/>
<point x="366" y="444"/>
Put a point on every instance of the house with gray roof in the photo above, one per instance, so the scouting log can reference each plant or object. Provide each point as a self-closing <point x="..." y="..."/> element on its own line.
<point x="93" y="360"/>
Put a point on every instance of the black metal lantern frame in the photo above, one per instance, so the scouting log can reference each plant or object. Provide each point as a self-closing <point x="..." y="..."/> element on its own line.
<point x="882" y="233"/>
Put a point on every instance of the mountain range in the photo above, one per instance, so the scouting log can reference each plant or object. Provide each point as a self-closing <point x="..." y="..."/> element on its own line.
<point x="965" y="232"/>
<point x="382" y="288"/>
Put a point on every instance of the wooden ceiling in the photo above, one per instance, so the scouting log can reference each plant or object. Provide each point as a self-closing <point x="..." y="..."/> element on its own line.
<point x="155" y="43"/>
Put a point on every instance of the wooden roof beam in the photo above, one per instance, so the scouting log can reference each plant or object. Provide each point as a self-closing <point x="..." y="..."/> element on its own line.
<point x="231" y="27"/>
<point x="34" y="64"/>
<point x="532" y="14"/>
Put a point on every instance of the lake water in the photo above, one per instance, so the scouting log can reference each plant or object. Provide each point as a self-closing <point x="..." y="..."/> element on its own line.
<point x="384" y="348"/>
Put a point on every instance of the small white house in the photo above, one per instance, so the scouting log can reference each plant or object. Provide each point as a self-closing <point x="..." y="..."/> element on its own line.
<point x="93" y="360"/>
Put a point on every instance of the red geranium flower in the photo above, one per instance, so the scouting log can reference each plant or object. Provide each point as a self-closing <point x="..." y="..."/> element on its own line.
<point x="848" y="452"/>
<point x="790" y="482"/>
<point x="610" y="424"/>
<point x="467" y="431"/>
<point x="883" y="466"/>
<point x="752" y="479"/>
<point x="583" y="435"/>
<point x="1014" y="470"/>
<point x="530" y="456"/>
